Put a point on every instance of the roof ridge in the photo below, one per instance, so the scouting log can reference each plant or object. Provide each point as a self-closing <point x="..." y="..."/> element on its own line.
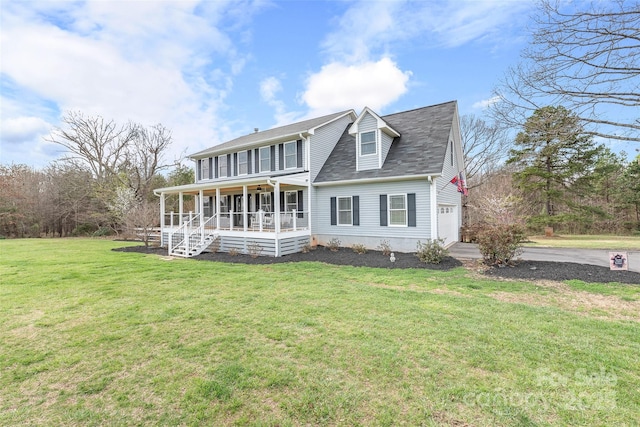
<point x="453" y="101"/>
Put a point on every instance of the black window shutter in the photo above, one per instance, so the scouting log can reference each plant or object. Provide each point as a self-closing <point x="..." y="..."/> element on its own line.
<point x="281" y="156"/>
<point x="383" y="210"/>
<point x="300" y="203"/>
<point x="235" y="164"/>
<point x="411" y="209"/>
<point x="282" y="201"/>
<point x="229" y="173"/>
<point x="198" y="168"/>
<point x="215" y="168"/>
<point x="272" y="201"/>
<point x="334" y="214"/>
<point x="299" y="153"/>
<point x="256" y="160"/>
<point x="273" y="157"/>
<point x="249" y="162"/>
<point x="355" y="206"/>
<point x="210" y="167"/>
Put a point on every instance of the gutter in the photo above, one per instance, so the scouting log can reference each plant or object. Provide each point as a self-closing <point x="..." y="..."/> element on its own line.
<point x="376" y="179"/>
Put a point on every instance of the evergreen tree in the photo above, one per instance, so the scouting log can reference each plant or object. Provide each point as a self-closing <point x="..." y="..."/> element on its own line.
<point x="553" y="159"/>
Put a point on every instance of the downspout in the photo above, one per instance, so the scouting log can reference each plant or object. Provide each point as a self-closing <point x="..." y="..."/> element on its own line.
<point x="433" y="198"/>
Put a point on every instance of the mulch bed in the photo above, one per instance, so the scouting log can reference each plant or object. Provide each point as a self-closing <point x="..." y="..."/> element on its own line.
<point x="527" y="270"/>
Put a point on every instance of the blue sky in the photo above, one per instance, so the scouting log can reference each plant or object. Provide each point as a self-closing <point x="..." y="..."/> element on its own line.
<point x="214" y="70"/>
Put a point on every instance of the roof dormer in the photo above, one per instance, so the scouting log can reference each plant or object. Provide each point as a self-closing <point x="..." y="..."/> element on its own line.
<point x="373" y="138"/>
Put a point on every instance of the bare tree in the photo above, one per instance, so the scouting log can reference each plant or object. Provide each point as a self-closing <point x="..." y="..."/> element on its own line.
<point x="141" y="219"/>
<point x="94" y="142"/>
<point x="117" y="155"/>
<point x="585" y="60"/>
<point x="144" y="157"/>
<point x="485" y="147"/>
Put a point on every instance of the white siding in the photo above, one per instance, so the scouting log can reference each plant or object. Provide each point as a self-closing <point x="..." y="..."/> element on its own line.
<point x="323" y="141"/>
<point x="386" y="141"/>
<point x="448" y="192"/>
<point x="369" y="232"/>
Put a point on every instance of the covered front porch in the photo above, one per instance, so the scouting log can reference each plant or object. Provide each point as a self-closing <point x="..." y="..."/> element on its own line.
<point x="263" y="216"/>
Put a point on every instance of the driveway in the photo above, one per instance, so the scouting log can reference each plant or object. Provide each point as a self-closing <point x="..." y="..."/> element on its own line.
<point x="581" y="256"/>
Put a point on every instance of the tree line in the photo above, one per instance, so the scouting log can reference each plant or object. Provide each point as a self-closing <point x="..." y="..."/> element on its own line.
<point x="102" y="186"/>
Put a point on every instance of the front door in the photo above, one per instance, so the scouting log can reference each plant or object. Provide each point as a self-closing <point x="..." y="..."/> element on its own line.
<point x="238" y="209"/>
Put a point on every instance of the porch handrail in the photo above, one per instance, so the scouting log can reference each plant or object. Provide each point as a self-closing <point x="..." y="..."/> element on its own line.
<point x="182" y="230"/>
<point x="195" y="226"/>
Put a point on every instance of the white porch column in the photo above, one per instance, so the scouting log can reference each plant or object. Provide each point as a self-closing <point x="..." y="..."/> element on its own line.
<point x="162" y="219"/>
<point x="181" y="208"/>
<point x="218" y="208"/>
<point x="308" y="208"/>
<point x="201" y="203"/>
<point x="276" y="205"/>
<point x="434" y="208"/>
<point x="245" y="215"/>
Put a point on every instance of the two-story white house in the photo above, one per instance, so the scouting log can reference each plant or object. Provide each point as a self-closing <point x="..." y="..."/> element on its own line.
<point x="357" y="178"/>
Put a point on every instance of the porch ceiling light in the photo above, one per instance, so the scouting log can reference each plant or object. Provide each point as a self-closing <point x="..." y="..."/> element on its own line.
<point x="259" y="188"/>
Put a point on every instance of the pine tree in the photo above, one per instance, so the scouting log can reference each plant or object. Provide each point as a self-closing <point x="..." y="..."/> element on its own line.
<point x="553" y="159"/>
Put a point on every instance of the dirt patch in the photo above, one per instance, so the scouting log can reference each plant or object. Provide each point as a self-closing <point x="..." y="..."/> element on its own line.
<point x="580" y="302"/>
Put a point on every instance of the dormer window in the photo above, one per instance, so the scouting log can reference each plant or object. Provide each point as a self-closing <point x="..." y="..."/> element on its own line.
<point x="368" y="143"/>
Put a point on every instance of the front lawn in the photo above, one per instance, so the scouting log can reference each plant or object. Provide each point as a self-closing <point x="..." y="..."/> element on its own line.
<point x="95" y="337"/>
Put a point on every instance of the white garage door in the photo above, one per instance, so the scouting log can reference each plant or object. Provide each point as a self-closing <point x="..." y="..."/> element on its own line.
<point x="448" y="224"/>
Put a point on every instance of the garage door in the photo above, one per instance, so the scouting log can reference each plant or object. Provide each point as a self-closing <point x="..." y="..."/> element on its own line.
<point x="448" y="224"/>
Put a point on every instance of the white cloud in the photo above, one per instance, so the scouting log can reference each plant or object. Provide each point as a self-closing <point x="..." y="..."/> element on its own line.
<point x="269" y="87"/>
<point x="485" y="103"/>
<point x="338" y="86"/>
<point x="18" y="129"/>
<point x="149" y="62"/>
<point x="450" y="23"/>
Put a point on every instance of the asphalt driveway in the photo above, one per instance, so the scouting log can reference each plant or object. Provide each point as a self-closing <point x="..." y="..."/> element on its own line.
<point x="581" y="256"/>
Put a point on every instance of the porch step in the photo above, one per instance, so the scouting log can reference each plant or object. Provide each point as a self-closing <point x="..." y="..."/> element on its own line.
<point x="181" y="250"/>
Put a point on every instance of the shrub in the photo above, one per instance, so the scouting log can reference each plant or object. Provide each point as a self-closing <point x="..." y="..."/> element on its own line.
<point x="254" y="249"/>
<point x="84" y="230"/>
<point x="307" y="248"/>
<point x="234" y="252"/>
<point x="103" y="231"/>
<point x="359" y="248"/>
<point x="334" y="244"/>
<point x="384" y="247"/>
<point x="431" y="252"/>
<point x="500" y="244"/>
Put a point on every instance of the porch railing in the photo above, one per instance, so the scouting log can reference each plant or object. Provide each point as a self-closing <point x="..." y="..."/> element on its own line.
<point x="293" y="220"/>
<point x="191" y="233"/>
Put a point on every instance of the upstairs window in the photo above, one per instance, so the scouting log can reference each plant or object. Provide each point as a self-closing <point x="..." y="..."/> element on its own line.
<point x="242" y="163"/>
<point x="222" y="166"/>
<point x="290" y="155"/>
<point x="368" y="143"/>
<point x="204" y="169"/>
<point x="265" y="159"/>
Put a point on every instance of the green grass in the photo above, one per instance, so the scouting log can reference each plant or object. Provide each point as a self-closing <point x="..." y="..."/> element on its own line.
<point x="626" y="243"/>
<point x="95" y="337"/>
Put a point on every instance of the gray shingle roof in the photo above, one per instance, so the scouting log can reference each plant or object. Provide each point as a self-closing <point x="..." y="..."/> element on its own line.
<point x="270" y="134"/>
<point x="420" y="149"/>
